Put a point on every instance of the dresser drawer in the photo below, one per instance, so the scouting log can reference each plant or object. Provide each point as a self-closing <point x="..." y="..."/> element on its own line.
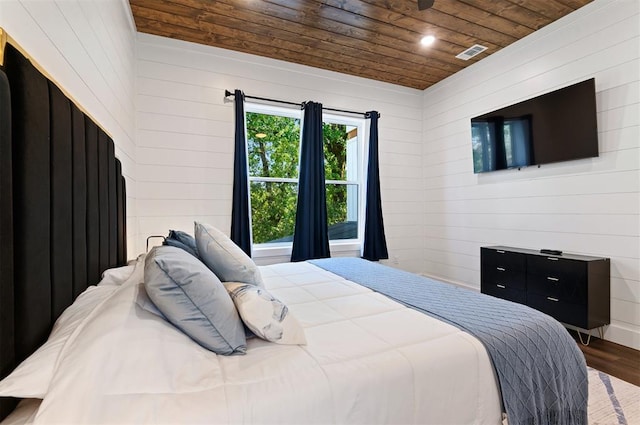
<point x="557" y="278"/>
<point x="564" y="312"/>
<point x="565" y="289"/>
<point x="500" y="291"/>
<point x="498" y="257"/>
<point x="503" y="268"/>
<point x="558" y="268"/>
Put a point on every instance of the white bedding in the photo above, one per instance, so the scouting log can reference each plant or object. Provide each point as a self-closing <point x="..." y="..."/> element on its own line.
<point x="367" y="360"/>
<point x="24" y="413"/>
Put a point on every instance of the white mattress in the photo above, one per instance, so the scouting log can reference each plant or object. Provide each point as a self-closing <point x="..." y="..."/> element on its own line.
<point x="367" y="360"/>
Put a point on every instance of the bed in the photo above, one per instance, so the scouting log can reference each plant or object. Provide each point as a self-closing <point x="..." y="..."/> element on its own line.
<point x="161" y="376"/>
<point x="369" y="355"/>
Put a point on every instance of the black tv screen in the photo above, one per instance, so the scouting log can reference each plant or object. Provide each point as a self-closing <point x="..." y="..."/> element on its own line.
<point x="553" y="127"/>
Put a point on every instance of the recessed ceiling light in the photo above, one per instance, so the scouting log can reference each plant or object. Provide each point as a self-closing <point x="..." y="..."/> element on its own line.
<point x="425" y="4"/>
<point x="261" y="135"/>
<point x="427" y="40"/>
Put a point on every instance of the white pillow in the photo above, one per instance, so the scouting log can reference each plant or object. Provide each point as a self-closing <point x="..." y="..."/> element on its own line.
<point x="32" y="377"/>
<point x="224" y="257"/>
<point x="266" y="316"/>
<point x="120" y="275"/>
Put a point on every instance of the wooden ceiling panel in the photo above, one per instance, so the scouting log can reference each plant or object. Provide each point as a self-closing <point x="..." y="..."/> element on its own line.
<point x="376" y="39"/>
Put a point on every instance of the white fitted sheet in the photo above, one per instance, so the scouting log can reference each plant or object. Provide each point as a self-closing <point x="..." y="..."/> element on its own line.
<point x="367" y="360"/>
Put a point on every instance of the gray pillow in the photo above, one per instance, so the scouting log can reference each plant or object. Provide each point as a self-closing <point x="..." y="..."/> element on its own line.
<point x="191" y="297"/>
<point x="224" y="257"/>
<point x="182" y="240"/>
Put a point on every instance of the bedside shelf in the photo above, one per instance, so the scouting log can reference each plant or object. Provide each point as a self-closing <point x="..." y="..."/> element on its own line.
<point x="574" y="289"/>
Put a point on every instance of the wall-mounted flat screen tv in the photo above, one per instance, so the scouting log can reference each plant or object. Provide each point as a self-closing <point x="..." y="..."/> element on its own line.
<point x="553" y="127"/>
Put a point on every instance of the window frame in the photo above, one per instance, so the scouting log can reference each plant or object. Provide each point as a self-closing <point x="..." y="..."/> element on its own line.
<point x="273" y="249"/>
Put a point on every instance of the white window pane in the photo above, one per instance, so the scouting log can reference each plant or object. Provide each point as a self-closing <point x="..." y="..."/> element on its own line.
<point x="273" y="211"/>
<point x="342" y="211"/>
<point x="273" y="145"/>
<point x="340" y="151"/>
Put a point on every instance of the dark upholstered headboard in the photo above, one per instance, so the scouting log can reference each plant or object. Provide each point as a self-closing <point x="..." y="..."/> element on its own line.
<point x="62" y="208"/>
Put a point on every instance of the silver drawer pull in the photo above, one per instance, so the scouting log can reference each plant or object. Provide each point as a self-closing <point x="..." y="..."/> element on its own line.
<point x="500" y="286"/>
<point x="553" y="299"/>
<point x="553" y="279"/>
<point x="552" y="258"/>
<point x="501" y="269"/>
<point x="500" y="252"/>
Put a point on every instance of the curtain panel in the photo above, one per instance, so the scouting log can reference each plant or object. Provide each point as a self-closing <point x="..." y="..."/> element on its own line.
<point x="240" y="214"/>
<point x="375" y="243"/>
<point x="311" y="237"/>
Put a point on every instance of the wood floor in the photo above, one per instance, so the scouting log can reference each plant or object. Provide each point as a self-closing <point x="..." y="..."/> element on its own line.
<point x="613" y="359"/>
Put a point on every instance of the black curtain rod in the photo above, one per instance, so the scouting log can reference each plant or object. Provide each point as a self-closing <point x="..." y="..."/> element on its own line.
<point x="228" y="93"/>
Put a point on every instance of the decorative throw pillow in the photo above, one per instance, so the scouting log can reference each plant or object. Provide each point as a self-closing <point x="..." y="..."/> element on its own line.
<point x="266" y="316"/>
<point x="224" y="257"/>
<point x="191" y="297"/>
<point x="182" y="240"/>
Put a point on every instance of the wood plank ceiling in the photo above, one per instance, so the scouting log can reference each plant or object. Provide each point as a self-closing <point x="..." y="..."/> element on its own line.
<point x="376" y="39"/>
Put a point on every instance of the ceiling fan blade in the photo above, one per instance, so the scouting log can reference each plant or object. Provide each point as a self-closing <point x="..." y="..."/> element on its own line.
<point x="425" y="4"/>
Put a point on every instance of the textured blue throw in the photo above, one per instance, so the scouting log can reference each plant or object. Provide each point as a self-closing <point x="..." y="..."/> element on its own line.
<point x="541" y="371"/>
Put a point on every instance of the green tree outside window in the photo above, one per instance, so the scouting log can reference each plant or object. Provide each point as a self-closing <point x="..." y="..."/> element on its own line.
<point x="273" y="147"/>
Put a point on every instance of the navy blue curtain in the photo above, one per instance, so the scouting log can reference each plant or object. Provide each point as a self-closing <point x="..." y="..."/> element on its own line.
<point x="375" y="243"/>
<point x="311" y="237"/>
<point x="240" y="226"/>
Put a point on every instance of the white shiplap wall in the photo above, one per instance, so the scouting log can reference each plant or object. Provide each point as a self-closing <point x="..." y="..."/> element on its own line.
<point x="437" y="212"/>
<point x="587" y="206"/>
<point x="88" y="49"/>
<point x="185" y="135"/>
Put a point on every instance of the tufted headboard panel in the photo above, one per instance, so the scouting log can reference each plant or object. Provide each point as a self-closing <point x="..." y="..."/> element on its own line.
<point x="62" y="207"/>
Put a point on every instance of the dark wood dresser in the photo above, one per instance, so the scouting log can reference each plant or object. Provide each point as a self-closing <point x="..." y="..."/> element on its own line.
<point x="574" y="289"/>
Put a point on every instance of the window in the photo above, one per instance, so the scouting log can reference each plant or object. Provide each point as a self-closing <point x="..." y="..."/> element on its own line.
<point x="273" y="137"/>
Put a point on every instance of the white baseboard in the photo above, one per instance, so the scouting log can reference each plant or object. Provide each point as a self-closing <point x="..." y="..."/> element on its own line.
<point x="622" y="335"/>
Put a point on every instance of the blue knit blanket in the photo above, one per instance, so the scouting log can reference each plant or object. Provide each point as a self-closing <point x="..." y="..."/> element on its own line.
<point x="541" y="371"/>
